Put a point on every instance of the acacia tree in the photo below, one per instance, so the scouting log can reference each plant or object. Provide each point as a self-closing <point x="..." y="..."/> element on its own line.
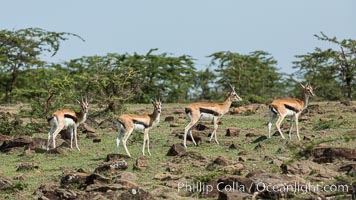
<point x="253" y="75"/>
<point x="331" y="68"/>
<point x="111" y="80"/>
<point x="165" y="76"/>
<point x="22" y="49"/>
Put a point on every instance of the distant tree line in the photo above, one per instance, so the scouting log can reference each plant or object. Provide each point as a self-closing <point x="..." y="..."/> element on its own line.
<point x="114" y="79"/>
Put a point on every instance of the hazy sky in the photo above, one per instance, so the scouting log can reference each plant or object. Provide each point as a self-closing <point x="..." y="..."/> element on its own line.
<point x="193" y="27"/>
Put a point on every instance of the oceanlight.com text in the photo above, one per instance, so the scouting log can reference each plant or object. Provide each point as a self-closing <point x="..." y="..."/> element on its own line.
<point x="296" y="187"/>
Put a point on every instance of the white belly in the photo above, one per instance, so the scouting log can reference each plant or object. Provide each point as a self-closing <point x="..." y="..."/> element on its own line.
<point x="139" y="127"/>
<point x="290" y="112"/>
<point x="68" y="123"/>
<point x="206" y="117"/>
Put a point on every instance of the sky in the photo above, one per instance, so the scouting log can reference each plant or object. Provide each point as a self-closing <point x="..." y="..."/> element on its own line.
<point x="186" y="27"/>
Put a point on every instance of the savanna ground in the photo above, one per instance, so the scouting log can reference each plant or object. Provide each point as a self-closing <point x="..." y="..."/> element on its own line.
<point x="333" y="126"/>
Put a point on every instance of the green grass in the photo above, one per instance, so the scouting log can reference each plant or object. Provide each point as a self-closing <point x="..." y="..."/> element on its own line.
<point x="92" y="154"/>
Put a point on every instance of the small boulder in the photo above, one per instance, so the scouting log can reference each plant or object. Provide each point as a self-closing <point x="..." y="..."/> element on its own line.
<point x="233" y="132"/>
<point x="28" y="166"/>
<point x="176" y="149"/>
<point x="169" y="119"/>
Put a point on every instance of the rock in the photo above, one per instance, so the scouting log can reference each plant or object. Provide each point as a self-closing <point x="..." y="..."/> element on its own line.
<point x="41" y="143"/>
<point x="233" y="146"/>
<point x="65" y="134"/>
<point x="92" y="135"/>
<point x="112" y="167"/>
<point x="52" y="191"/>
<point x="58" y="150"/>
<point x="233" y="132"/>
<point x="74" y="180"/>
<point x="236" y="183"/>
<point x="233" y="169"/>
<point x="128" y="176"/>
<point x="242" y="159"/>
<point x="174" y="169"/>
<point x="169" y="119"/>
<point x="279" y="182"/>
<point x="28" y="166"/>
<point x="258" y="147"/>
<point x="221" y="161"/>
<point x="308" y="168"/>
<point x="254" y="172"/>
<point x="201" y="127"/>
<point x="211" y="189"/>
<point x="141" y="163"/>
<point x="304" y="118"/>
<point x="346" y="103"/>
<point x="243" y="153"/>
<point x="91" y="122"/>
<point x="330" y="154"/>
<point x="165" y="176"/>
<point x="16" y="142"/>
<point x="260" y="139"/>
<point x="174" y="125"/>
<point x="108" y="123"/>
<point x="115" y="157"/>
<point x="350" y="169"/>
<point x="136" y="193"/>
<point x="88" y="129"/>
<point x="325" y="119"/>
<point x="5" y="183"/>
<point x="282" y="149"/>
<point x="234" y="195"/>
<point x="4" y="138"/>
<point x="251" y="135"/>
<point x="96" y="140"/>
<point x="176" y="149"/>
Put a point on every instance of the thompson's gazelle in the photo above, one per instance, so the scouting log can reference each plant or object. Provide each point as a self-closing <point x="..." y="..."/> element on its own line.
<point x="67" y="119"/>
<point x="292" y="107"/>
<point x="208" y="111"/>
<point x="127" y="123"/>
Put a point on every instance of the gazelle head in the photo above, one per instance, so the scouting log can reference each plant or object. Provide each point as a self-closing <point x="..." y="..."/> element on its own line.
<point x="233" y="96"/>
<point x="157" y="104"/>
<point x="308" y="89"/>
<point x="84" y="104"/>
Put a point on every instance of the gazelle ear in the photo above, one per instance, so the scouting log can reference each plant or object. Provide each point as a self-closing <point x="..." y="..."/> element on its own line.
<point x="79" y="102"/>
<point x="153" y="101"/>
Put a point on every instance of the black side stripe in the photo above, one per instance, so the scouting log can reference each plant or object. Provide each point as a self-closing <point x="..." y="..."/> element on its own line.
<point x="208" y="111"/>
<point x="291" y="108"/>
<point x="187" y="110"/>
<point x="71" y="117"/>
<point x="139" y="122"/>
<point x="123" y="125"/>
<point x="273" y="109"/>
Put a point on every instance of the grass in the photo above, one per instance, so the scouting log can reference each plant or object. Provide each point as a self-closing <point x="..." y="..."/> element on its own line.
<point x="92" y="154"/>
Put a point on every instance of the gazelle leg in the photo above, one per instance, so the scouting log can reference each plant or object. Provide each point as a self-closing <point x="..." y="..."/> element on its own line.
<point x="215" y="120"/>
<point x="118" y="139"/>
<point x="54" y="135"/>
<point x="191" y="135"/>
<point x="278" y="124"/>
<point x="126" y="137"/>
<point x="76" y="137"/>
<point x="49" y="137"/>
<point x="271" y="119"/>
<point x="148" y="144"/>
<point x="187" y="129"/>
<point x="145" y="138"/>
<point x="291" y="126"/>
<point x="296" y="124"/>
<point x="71" y="137"/>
